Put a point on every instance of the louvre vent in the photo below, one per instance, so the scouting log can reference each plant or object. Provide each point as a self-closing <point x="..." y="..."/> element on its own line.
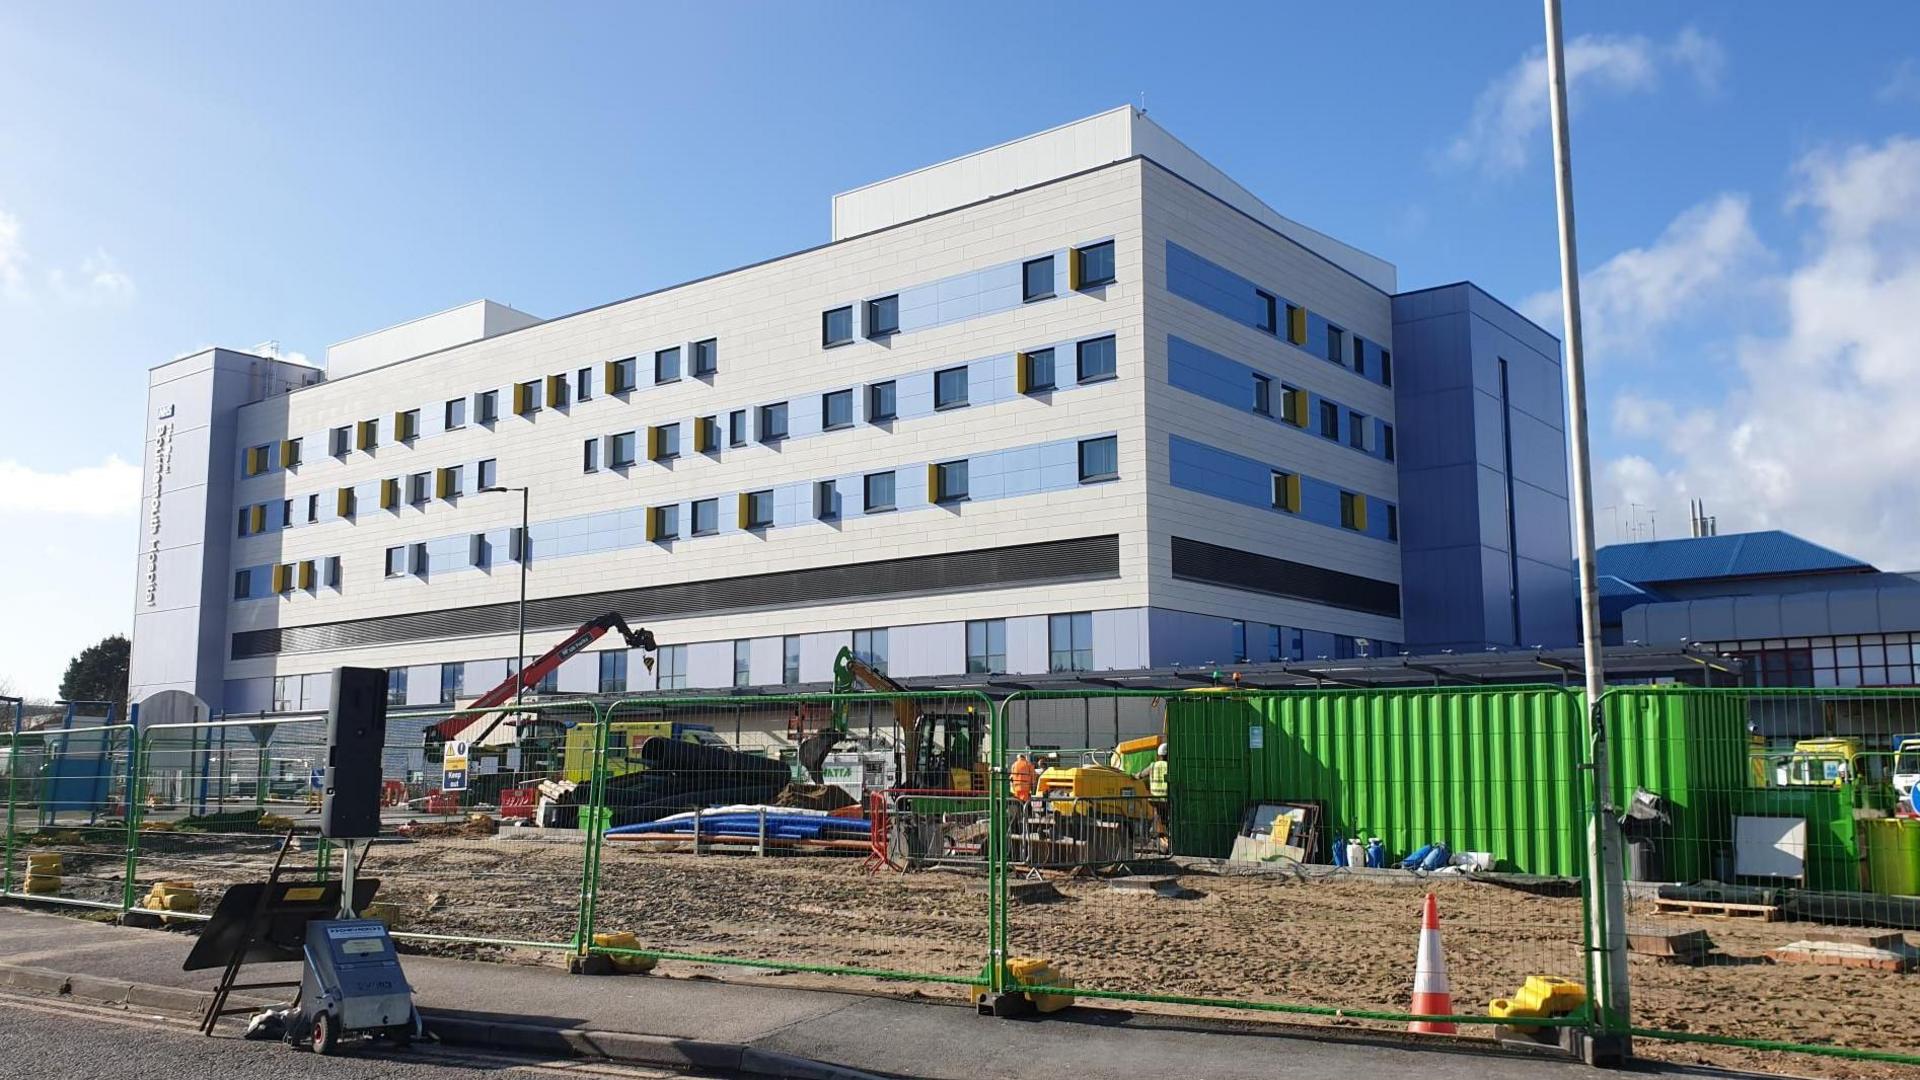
<point x="1235" y="569"/>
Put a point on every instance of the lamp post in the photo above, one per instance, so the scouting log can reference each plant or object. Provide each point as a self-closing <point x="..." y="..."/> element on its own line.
<point x="520" y="641"/>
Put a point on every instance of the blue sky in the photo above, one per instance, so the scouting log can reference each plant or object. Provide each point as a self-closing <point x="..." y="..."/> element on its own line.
<point x="173" y="177"/>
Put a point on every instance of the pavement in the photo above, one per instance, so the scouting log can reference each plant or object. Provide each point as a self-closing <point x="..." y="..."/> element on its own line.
<point x="746" y="1030"/>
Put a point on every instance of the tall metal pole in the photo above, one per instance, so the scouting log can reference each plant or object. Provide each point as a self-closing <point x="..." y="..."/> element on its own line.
<point x="520" y="646"/>
<point x="1607" y="914"/>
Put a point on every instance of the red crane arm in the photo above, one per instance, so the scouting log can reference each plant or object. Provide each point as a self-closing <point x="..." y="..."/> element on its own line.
<point x="530" y="676"/>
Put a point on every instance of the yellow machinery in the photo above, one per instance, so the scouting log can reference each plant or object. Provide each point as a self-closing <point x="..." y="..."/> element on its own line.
<point x="938" y="751"/>
<point x="623" y="744"/>
<point x="1818" y="763"/>
<point x="1096" y="790"/>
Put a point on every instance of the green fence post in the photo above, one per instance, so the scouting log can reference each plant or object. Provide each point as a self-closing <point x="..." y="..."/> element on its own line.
<point x="13" y="770"/>
<point x="998" y="870"/>
<point x="591" y="819"/>
<point x="136" y="782"/>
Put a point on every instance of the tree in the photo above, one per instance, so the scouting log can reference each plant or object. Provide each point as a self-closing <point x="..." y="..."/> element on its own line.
<point x="99" y="673"/>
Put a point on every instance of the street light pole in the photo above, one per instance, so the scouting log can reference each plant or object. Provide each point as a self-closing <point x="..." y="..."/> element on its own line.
<point x="520" y="641"/>
<point x="1607" y="913"/>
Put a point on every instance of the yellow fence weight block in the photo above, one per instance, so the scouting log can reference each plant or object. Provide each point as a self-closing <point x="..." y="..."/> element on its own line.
<point x="43" y="862"/>
<point x="42" y="883"/>
<point x="624" y="939"/>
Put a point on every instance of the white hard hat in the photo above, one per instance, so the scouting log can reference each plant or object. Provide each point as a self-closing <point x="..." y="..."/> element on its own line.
<point x="1163" y="750"/>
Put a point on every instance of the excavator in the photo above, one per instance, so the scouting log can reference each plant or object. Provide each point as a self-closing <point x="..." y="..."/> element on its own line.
<point x="943" y="751"/>
<point x="529" y="677"/>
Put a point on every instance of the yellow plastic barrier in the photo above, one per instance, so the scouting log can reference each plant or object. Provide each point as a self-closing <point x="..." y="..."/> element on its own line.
<point x="624" y="939"/>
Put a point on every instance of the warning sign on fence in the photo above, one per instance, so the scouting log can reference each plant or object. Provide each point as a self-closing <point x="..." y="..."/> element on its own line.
<point x="453" y="766"/>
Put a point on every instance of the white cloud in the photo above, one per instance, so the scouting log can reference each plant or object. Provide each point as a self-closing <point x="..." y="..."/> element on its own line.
<point x="1902" y="85"/>
<point x="97" y="280"/>
<point x="1511" y="113"/>
<point x="1708" y="251"/>
<point x="109" y="489"/>
<point x="1816" y="432"/>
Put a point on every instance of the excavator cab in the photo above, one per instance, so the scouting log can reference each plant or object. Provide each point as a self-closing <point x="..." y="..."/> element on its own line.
<point x="948" y="755"/>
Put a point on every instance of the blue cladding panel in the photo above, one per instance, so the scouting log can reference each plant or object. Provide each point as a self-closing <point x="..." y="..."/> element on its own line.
<point x="1220" y="290"/>
<point x="1209" y="470"/>
<point x="1229" y="382"/>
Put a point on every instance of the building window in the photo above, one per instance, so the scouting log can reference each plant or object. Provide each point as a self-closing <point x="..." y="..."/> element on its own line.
<point x="396" y="686"/>
<point x="583" y="384"/>
<point x="883" y="316"/>
<point x="1239" y="642"/>
<point x="1036" y="279"/>
<point x="1329" y="421"/>
<point x="666" y="365"/>
<point x="1095" y="265"/>
<point x="1359" y="355"/>
<point x="396" y="561"/>
<point x="613" y="671"/>
<point x="620" y="376"/>
<point x="836" y="410"/>
<point x="339" y="441"/>
<point x="419" y="554"/>
<point x="290" y="454"/>
<point x="706" y="435"/>
<point x="1386" y="441"/>
<point x="488" y="473"/>
<point x="1336" y="344"/>
<point x="665" y="522"/>
<point x="242" y="584"/>
<point x="1353" y="511"/>
<point x="1099" y="459"/>
<point x="1393" y="522"/>
<point x="986" y="646"/>
<point x="368" y="435"/>
<point x="950" y="388"/>
<point x="706" y="517"/>
<point x="671" y="662"/>
<point x="790" y="659"/>
<point x="1343" y="647"/>
<point x="880" y="402"/>
<point x="1286" y="491"/>
<point x="826" y="501"/>
<point x="836" y="327"/>
<point x="452" y="680"/>
<point x="620" y="450"/>
<point x="1386" y="368"/>
<point x="333" y="575"/>
<point x="283" y="692"/>
<point x="1286" y="643"/>
<point x="773" y="422"/>
<point x="879" y="492"/>
<point x="518" y="550"/>
<point x="1356" y="430"/>
<point x="526" y="398"/>
<point x="1070" y="642"/>
<point x="406" y="426"/>
<point x="743" y="662"/>
<point x="590" y="456"/>
<point x="1096" y="359"/>
<point x="666" y="442"/>
<point x="1296" y="324"/>
<point x="486" y="407"/>
<point x="452" y="482"/>
<point x="950" y="481"/>
<point x="313" y="508"/>
<point x="1263" y="395"/>
<point x="417" y="488"/>
<point x="454" y="415"/>
<point x="737" y="427"/>
<point x="706" y="357"/>
<point x="759" y="507"/>
<point x="870" y="647"/>
<point x="557" y="387"/>
<point x="1036" y="371"/>
<point x="1266" y="310"/>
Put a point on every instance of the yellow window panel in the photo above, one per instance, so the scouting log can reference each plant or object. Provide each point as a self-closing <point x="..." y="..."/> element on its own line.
<point x="282" y="578"/>
<point x="257" y="516"/>
<point x="443" y="483"/>
<point x="1296" y="324"/>
<point x="706" y="432"/>
<point x="1021" y="381"/>
<point x="1294" y="408"/>
<point x="1074" y="275"/>
<point x="343" y="502"/>
<point x="289" y="453"/>
<point x="1360" y="513"/>
<point x="522" y="398"/>
<point x="609" y="376"/>
<point x="653" y="523"/>
<point x="933" y="483"/>
<point x="389" y="494"/>
<point x="306" y="574"/>
<point x="256" y="461"/>
<point x="556" y="385"/>
<point x="653" y="444"/>
<point x="742" y="518"/>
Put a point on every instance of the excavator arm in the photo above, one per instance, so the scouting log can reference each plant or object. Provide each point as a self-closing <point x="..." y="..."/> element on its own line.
<point x="850" y="671"/>
<point x="530" y="675"/>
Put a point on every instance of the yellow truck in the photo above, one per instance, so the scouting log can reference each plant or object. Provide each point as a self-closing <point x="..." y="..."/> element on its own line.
<point x="1818" y="763"/>
<point x="623" y="744"/>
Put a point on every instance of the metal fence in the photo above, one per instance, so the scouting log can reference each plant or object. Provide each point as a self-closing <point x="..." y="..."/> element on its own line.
<point x="1277" y="861"/>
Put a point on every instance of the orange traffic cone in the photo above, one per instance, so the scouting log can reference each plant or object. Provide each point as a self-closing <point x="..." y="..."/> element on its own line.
<point x="1431" y="994"/>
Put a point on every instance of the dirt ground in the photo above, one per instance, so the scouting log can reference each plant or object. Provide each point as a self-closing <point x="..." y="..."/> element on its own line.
<point x="1320" y="940"/>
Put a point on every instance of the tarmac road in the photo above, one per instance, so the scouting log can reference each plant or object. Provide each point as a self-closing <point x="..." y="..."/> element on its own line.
<point x="64" y="1040"/>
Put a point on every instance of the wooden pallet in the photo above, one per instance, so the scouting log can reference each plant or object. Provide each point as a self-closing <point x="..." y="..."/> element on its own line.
<point x="1718" y="909"/>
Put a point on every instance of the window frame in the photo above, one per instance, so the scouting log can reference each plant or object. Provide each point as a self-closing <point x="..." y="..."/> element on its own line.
<point x="486" y="409"/>
<point x="1351" y="514"/>
<point x="790" y="660"/>
<point x="827" y="338"/>
<point x="626" y="376"/>
<point x="528" y="394"/>
<point x="395" y="564"/>
<point x="943" y="472"/>
<point x="243" y="584"/>
<point x="666" y="365"/>
<point x="737" y="431"/>
<point x="486" y="474"/>
<point x="620" y="657"/>
<point x="1030" y="364"/>
<point x="617" y="460"/>
<point x="1073" y="621"/>
<point x="705" y="359"/>
<point x="756" y="501"/>
<point x="892" y="390"/>
<point x="453" y="415"/>
<point x="1359" y="354"/>
<point x="583" y="384"/>
<point x="663" y="522"/>
<point x="1285" y="490"/>
<point x="668" y="448"/>
<point x="1336" y="345"/>
<point x="590" y="455"/>
<point x="1357" y="429"/>
<point x="706" y="434"/>
<point x="827" y="402"/>
<point x="940" y="405"/>
<point x="875" y="658"/>
<point x="1081" y="460"/>
<point x="742" y="662"/>
<point x="826" y="500"/>
<point x="1027" y="292"/>
<point x="1387" y="450"/>
<point x="419" y="488"/>
<point x="765" y="413"/>
<point x="878" y="328"/>
<point x="340" y="441"/>
<point x="867" y="503"/>
<point x="1267" y="315"/>
<point x="1080" y="349"/>
<point x="693" y="517"/>
<point x="986" y="654"/>
<point x="1263" y="394"/>
<point x="1090" y="281"/>
<point x="1329" y="409"/>
<point x="671" y="667"/>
